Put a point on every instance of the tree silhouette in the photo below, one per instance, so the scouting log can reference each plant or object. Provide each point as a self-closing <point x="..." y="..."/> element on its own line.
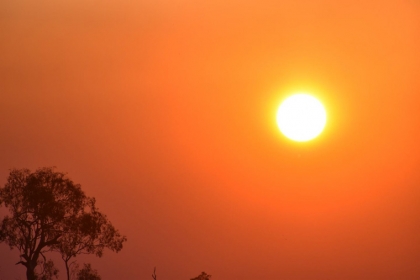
<point x="49" y="271"/>
<point x="49" y="212"/>
<point x="90" y="233"/>
<point x="202" y="276"/>
<point x="87" y="273"/>
<point x="41" y="205"/>
<point x="154" y="274"/>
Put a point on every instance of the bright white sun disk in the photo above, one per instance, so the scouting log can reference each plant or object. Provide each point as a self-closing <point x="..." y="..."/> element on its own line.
<point x="301" y="117"/>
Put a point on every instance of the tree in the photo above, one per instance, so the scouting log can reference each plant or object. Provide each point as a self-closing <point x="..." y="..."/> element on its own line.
<point x="49" y="212"/>
<point x="90" y="233"/>
<point x="87" y="273"/>
<point x="49" y="271"/>
<point x="202" y="276"/>
<point x="41" y="205"/>
<point x="154" y="274"/>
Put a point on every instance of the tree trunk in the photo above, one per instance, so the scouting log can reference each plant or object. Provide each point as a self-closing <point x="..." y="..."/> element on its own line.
<point x="30" y="268"/>
<point x="67" y="269"/>
<point x="30" y="272"/>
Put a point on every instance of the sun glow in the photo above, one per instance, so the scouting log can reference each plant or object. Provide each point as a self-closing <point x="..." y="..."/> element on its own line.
<point x="301" y="117"/>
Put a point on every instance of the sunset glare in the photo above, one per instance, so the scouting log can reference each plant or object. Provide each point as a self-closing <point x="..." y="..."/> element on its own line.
<point x="301" y="117"/>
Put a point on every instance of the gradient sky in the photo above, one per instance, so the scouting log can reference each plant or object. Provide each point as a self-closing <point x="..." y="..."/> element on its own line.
<point x="164" y="110"/>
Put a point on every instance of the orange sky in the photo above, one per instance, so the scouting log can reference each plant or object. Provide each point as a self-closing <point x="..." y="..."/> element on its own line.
<point x="164" y="111"/>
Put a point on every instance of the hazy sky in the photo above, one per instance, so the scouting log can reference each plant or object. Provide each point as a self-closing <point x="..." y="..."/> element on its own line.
<point x="164" y="110"/>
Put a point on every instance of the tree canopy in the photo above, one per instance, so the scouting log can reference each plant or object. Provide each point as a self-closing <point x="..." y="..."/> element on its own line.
<point x="202" y="276"/>
<point x="89" y="233"/>
<point x="88" y="273"/>
<point x="49" y="212"/>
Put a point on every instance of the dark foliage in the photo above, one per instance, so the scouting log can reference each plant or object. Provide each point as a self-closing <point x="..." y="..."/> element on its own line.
<point x="202" y="276"/>
<point x="49" y="271"/>
<point x="49" y="212"/>
<point x="87" y="273"/>
<point x="89" y="233"/>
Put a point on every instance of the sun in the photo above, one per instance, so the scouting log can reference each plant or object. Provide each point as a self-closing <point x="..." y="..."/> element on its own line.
<point x="301" y="117"/>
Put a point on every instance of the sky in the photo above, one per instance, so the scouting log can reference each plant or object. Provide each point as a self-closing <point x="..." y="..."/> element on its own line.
<point x="164" y="111"/>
